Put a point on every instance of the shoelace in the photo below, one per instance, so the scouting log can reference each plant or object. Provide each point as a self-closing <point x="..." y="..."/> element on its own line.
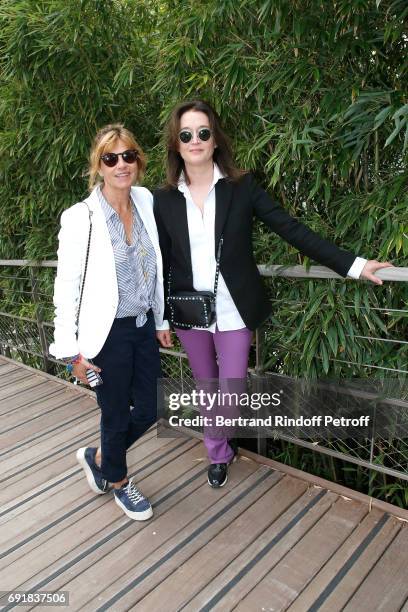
<point x="134" y="494"/>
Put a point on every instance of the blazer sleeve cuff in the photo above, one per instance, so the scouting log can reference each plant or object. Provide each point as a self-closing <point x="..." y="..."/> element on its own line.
<point x="62" y="349"/>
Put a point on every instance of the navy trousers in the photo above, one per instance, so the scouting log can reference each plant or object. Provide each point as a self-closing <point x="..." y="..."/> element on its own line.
<point x="130" y="363"/>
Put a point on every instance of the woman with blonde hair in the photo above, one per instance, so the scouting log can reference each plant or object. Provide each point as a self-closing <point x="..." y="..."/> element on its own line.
<point x="109" y="303"/>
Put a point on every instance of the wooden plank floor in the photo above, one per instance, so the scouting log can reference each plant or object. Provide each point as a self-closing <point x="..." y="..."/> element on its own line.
<point x="269" y="540"/>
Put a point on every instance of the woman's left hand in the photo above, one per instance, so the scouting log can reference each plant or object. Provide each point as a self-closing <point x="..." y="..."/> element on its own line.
<point x="368" y="272"/>
<point x="164" y="337"/>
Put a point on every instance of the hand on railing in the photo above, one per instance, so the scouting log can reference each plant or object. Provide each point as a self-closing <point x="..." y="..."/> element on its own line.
<point x="371" y="267"/>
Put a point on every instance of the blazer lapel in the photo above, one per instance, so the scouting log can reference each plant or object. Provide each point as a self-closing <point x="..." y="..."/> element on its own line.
<point x="101" y="244"/>
<point x="101" y="235"/>
<point x="223" y="196"/>
<point x="180" y="224"/>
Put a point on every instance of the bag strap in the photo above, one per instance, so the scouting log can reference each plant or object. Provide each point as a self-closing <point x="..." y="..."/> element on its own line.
<point x="86" y="266"/>
<point x="217" y="269"/>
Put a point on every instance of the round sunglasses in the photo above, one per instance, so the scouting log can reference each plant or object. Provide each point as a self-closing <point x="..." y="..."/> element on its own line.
<point x="203" y="134"/>
<point x="111" y="159"/>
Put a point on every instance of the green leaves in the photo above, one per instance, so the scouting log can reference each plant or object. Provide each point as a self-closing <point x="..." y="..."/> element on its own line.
<point x="63" y="76"/>
<point x="314" y="100"/>
<point x="401" y="121"/>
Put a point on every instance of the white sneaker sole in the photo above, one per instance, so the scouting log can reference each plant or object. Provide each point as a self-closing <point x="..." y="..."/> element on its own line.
<point x="218" y="486"/>
<point x="136" y="516"/>
<point x="80" y="457"/>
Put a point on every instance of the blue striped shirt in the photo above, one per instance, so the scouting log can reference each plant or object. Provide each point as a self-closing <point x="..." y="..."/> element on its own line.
<point x="135" y="264"/>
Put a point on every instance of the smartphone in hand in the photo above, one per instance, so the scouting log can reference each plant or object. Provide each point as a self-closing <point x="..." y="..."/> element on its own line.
<point x="94" y="378"/>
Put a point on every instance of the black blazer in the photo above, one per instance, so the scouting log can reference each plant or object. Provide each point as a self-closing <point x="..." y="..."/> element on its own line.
<point x="236" y="204"/>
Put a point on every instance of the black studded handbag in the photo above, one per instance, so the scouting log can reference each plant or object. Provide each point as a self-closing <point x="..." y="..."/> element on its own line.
<point x="194" y="308"/>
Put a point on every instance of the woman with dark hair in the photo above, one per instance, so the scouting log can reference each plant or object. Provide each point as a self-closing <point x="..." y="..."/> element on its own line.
<point x="204" y="217"/>
<point x="109" y="308"/>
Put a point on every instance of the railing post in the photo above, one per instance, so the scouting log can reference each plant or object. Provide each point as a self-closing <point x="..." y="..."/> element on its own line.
<point x="40" y="320"/>
<point x="5" y="350"/>
<point x="181" y="373"/>
<point x="261" y="446"/>
<point x="259" y="349"/>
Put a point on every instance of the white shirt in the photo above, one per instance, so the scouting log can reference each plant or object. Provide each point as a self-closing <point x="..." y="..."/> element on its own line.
<point x="201" y="229"/>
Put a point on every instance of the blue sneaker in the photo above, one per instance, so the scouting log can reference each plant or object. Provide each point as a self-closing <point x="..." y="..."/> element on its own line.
<point x="86" y="459"/>
<point x="133" y="503"/>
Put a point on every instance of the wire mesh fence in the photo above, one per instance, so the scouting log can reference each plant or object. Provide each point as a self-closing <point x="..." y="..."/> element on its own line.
<point x="26" y="330"/>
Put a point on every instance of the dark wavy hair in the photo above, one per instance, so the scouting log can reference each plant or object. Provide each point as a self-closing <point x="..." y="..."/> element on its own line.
<point x="222" y="154"/>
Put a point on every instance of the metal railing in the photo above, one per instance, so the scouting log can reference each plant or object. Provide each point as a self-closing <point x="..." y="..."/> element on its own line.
<point x="26" y="332"/>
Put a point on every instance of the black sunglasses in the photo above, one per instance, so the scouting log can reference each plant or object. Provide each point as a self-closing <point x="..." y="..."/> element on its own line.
<point x="111" y="159"/>
<point x="203" y="134"/>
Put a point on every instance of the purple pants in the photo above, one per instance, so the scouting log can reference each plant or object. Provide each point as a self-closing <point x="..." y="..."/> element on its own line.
<point x="222" y="355"/>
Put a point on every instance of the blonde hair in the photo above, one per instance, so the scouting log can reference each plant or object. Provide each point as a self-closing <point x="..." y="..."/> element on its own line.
<point x="104" y="141"/>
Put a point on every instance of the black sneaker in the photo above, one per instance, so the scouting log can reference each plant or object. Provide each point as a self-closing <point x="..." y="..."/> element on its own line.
<point x="86" y="459"/>
<point x="217" y="475"/>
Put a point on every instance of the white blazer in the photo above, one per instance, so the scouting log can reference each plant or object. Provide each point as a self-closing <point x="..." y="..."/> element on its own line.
<point x="100" y="296"/>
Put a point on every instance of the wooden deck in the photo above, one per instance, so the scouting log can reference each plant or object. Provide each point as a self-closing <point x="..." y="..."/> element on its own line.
<point x="270" y="539"/>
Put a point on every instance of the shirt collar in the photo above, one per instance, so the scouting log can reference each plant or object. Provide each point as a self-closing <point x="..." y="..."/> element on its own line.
<point x="217" y="175"/>
<point x="107" y="209"/>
